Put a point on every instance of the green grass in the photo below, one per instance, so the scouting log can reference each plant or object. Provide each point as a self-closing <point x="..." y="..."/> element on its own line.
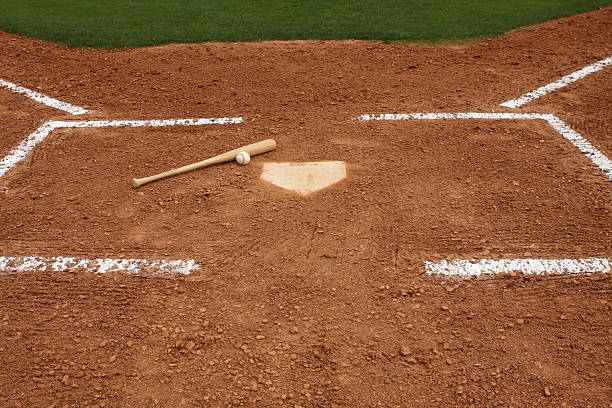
<point x="137" y="23"/>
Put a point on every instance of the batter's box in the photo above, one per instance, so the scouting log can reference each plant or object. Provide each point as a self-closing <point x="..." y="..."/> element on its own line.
<point x="597" y="157"/>
<point x="504" y="184"/>
<point x="75" y="194"/>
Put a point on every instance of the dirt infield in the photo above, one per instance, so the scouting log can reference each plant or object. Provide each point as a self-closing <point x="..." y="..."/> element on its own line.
<point x="321" y="300"/>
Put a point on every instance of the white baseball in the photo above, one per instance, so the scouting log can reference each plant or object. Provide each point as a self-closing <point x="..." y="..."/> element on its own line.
<point x="243" y="158"/>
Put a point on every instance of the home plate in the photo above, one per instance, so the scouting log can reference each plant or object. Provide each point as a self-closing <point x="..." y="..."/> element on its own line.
<point x="304" y="178"/>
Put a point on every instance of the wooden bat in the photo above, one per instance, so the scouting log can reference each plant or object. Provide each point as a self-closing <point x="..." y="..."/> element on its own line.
<point x="253" y="149"/>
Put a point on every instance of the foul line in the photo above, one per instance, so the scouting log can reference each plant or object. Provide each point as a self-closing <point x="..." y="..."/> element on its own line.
<point x="592" y="153"/>
<point x="26" y="146"/>
<point x="566" y="80"/>
<point x="18" y="264"/>
<point x="597" y="157"/>
<point x="44" y="99"/>
<point x="463" y="268"/>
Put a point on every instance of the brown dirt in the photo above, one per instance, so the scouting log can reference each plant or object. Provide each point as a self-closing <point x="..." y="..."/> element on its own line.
<point x="316" y="301"/>
<point x="586" y="109"/>
<point x="19" y="115"/>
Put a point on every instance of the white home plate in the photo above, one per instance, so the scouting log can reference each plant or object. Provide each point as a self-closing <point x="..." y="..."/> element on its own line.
<point x="304" y="178"/>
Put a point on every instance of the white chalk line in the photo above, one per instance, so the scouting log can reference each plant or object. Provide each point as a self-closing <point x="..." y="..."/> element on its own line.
<point x="566" y="80"/>
<point x="586" y="148"/>
<point x="597" y="157"/>
<point x="20" y="152"/>
<point x="44" y="99"/>
<point x="19" y="264"/>
<point x="439" y="116"/>
<point x="147" y="123"/>
<point x="26" y="146"/>
<point x="465" y="268"/>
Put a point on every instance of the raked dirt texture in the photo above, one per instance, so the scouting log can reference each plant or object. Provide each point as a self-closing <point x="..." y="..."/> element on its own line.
<point x="321" y="300"/>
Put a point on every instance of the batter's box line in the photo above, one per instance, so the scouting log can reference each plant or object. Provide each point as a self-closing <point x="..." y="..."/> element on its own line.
<point x="19" y="264"/>
<point x="468" y="268"/>
<point x="592" y="153"/>
<point x="27" y="145"/>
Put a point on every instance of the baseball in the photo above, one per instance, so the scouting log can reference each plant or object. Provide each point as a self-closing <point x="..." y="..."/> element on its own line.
<point x="243" y="158"/>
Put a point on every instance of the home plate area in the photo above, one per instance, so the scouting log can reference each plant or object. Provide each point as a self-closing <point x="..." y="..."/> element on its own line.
<point x="443" y="189"/>
<point x="304" y="178"/>
<point x="410" y="242"/>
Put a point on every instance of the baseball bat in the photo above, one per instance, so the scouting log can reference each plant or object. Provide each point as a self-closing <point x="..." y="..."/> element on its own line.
<point x="253" y="149"/>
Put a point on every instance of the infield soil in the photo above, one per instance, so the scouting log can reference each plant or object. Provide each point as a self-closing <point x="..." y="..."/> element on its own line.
<point x="320" y="300"/>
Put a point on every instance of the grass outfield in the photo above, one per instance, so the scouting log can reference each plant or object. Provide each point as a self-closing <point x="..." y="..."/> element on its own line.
<point x="137" y="23"/>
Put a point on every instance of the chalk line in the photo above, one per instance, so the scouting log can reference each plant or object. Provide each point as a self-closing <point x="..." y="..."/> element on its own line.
<point x="17" y="264"/>
<point x="147" y="123"/>
<point x="464" y="268"/>
<point x="439" y="116"/>
<point x="586" y="148"/>
<point x="25" y="147"/>
<point x="44" y="99"/>
<point x="20" y="152"/>
<point x="597" y="157"/>
<point x="566" y="80"/>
